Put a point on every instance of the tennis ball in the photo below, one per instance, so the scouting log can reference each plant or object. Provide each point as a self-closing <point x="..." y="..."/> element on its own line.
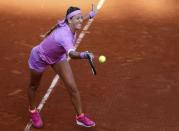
<point x="102" y="59"/>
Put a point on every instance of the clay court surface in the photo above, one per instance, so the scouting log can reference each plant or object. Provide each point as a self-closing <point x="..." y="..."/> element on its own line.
<point x="137" y="89"/>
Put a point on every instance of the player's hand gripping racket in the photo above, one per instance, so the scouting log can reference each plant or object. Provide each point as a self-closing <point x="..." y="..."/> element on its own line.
<point x="90" y="60"/>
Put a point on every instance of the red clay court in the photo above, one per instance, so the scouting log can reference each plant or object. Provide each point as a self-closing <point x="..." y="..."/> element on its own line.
<point x="137" y="89"/>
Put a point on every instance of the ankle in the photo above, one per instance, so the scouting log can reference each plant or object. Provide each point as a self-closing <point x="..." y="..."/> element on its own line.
<point x="32" y="110"/>
<point x="80" y="115"/>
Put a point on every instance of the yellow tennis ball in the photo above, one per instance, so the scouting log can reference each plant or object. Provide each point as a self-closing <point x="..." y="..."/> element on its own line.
<point x="102" y="59"/>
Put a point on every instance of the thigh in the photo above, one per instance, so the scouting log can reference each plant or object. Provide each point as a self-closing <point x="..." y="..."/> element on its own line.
<point x="63" y="69"/>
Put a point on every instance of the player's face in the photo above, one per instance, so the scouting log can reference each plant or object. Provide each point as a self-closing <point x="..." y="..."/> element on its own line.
<point x="77" y="21"/>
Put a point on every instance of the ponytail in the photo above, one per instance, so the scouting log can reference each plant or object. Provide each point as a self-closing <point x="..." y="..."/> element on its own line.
<point x="50" y="31"/>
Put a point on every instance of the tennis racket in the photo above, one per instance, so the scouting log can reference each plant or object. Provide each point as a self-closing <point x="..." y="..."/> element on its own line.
<point x="91" y="64"/>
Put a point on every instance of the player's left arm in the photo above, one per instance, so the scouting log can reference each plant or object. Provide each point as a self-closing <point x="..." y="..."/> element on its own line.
<point x="91" y="14"/>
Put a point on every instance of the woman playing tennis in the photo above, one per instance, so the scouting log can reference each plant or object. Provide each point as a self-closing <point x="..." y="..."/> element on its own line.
<point x="56" y="46"/>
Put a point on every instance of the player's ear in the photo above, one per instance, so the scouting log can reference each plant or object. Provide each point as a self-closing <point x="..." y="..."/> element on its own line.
<point x="69" y="21"/>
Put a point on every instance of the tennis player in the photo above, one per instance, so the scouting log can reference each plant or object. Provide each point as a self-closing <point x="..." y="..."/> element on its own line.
<point x="57" y="45"/>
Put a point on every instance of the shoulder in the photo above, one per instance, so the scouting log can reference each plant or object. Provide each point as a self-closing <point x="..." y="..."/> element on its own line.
<point x="63" y="36"/>
<point x="62" y="32"/>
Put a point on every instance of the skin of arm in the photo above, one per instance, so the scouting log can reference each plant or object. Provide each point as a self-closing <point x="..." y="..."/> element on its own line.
<point x="74" y="55"/>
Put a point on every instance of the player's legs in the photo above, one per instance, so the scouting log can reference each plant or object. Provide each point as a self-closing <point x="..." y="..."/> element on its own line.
<point x="35" y="117"/>
<point x="64" y="70"/>
<point x="37" y="67"/>
<point x="34" y="83"/>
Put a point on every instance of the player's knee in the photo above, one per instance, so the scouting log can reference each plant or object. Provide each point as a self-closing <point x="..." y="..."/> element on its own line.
<point x="34" y="86"/>
<point x="74" y="90"/>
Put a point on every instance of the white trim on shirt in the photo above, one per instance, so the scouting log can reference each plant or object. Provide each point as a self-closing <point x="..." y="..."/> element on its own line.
<point x="70" y="51"/>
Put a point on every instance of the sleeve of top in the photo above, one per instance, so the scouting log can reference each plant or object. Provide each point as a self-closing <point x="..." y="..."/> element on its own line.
<point x="65" y="40"/>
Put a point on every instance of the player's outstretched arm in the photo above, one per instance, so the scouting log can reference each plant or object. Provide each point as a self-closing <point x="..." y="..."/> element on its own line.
<point x="80" y="55"/>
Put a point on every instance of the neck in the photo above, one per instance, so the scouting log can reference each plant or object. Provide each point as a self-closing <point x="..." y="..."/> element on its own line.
<point x="72" y="28"/>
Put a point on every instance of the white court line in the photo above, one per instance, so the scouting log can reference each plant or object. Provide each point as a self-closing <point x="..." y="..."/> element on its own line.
<point x="100" y="4"/>
<point x="56" y="78"/>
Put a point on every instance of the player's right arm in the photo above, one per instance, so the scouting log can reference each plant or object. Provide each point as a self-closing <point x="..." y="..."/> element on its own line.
<point x="67" y="42"/>
<point x="79" y="55"/>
